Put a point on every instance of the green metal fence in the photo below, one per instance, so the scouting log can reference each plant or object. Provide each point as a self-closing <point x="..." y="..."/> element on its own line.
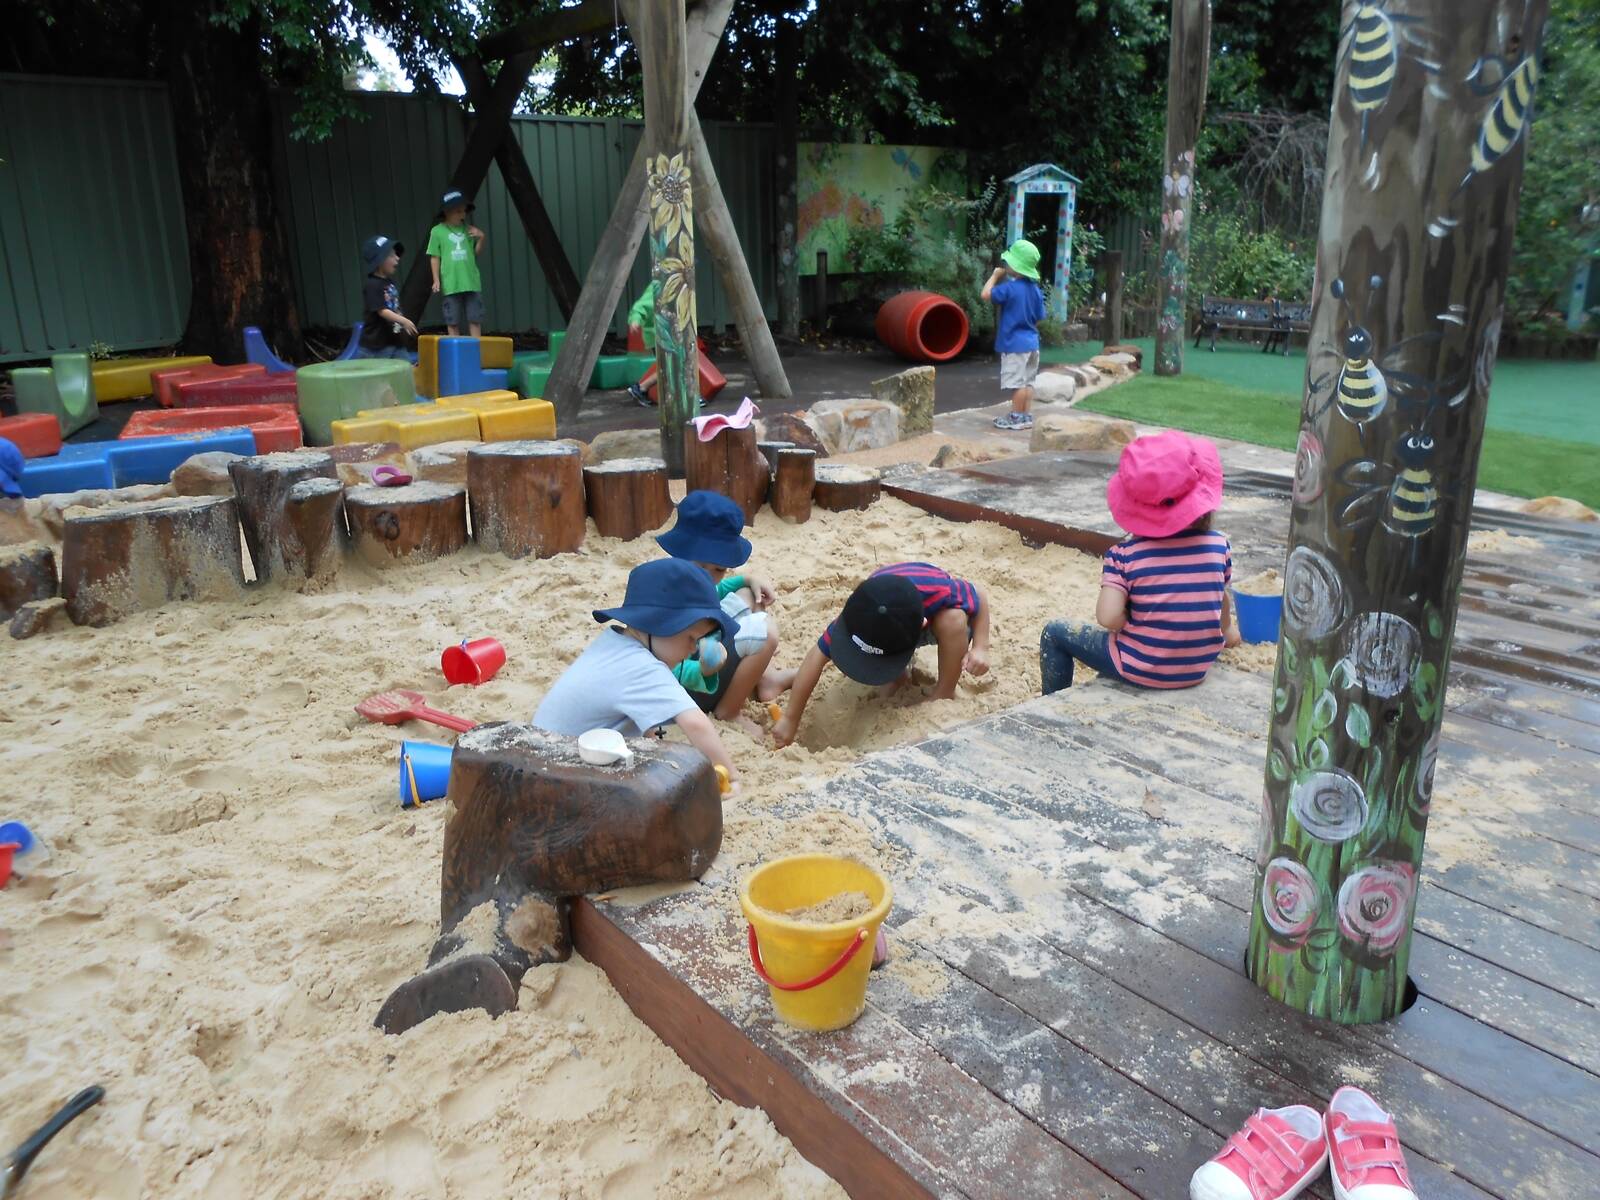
<point x="91" y="222"/>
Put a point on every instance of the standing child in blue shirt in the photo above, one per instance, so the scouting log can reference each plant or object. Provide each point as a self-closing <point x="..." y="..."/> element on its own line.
<point x="1014" y="291"/>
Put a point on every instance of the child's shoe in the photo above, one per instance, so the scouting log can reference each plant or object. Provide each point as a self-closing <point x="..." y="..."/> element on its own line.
<point x="1364" y="1149"/>
<point x="1274" y="1157"/>
<point x="640" y="396"/>
<point x="1014" y="420"/>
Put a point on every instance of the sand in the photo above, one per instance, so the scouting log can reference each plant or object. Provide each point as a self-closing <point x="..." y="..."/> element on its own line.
<point x="234" y="889"/>
<point x="841" y="906"/>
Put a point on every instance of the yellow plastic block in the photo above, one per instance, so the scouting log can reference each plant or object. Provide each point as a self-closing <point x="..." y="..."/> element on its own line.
<point x="129" y="378"/>
<point x="360" y="429"/>
<point x="411" y="425"/>
<point x="513" y="422"/>
<point x="427" y="372"/>
<point x="478" y="401"/>
<point x="494" y="352"/>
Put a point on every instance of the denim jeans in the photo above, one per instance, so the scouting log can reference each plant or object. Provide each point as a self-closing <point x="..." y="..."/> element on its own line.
<point x="1062" y="642"/>
<point x="388" y="352"/>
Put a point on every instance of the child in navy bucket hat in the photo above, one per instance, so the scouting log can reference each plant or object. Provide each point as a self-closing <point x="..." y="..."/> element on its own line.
<point x="624" y="680"/>
<point x="709" y="533"/>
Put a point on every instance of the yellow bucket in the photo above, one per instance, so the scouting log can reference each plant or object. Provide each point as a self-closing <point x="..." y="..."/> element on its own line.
<point x="817" y="974"/>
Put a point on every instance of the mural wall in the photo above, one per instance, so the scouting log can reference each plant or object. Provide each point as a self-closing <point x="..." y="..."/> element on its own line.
<point x="843" y="187"/>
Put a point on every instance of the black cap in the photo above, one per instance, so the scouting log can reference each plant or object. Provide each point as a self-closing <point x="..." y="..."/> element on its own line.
<point x="454" y="197"/>
<point x="375" y="249"/>
<point x="877" y="633"/>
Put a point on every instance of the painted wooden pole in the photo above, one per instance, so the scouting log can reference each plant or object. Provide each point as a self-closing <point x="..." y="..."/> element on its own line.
<point x="670" y="192"/>
<point x="1188" y="65"/>
<point x="786" y="166"/>
<point x="1424" y="170"/>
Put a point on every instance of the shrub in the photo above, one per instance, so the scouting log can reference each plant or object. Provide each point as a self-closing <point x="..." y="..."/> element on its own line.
<point x="1227" y="258"/>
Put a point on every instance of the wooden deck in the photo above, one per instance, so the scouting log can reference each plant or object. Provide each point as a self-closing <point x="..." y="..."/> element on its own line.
<point x="1066" y="1013"/>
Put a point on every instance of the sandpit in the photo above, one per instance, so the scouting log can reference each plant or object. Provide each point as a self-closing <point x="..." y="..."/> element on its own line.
<point x="234" y="888"/>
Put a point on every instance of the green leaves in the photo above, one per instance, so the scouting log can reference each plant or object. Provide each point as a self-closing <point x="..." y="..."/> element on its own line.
<point x="1358" y="726"/>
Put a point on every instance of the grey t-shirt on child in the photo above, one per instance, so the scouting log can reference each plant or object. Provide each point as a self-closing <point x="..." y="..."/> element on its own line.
<point x="615" y="684"/>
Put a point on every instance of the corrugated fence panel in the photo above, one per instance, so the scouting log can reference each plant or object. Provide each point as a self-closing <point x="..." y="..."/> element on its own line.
<point x="91" y="220"/>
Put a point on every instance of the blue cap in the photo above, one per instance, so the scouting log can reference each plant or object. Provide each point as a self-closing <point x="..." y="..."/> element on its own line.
<point x="667" y="596"/>
<point x="11" y="463"/>
<point x="708" y="531"/>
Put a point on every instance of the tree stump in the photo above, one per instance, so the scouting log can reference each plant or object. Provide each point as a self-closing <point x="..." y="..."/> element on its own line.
<point x="27" y="572"/>
<point x="316" y="545"/>
<point x="416" y="523"/>
<point x="627" y="497"/>
<point x="793" y="484"/>
<point x="729" y="463"/>
<point x="531" y="825"/>
<point x="527" y="497"/>
<point x="261" y="483"/>
<point x="127" y="558"/>
<point x="844" y="489"/>
<point x="769" y="451"/>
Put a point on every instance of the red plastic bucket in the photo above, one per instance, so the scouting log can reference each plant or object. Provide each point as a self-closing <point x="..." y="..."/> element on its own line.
<point x="472" y="662"/>
<point x="922" y="326"/>
<point x="7" y="849"/>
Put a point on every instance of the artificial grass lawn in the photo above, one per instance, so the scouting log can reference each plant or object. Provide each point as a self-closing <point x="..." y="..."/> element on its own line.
<point x="1548" y="399"/>
<point x="1520" y="464"/>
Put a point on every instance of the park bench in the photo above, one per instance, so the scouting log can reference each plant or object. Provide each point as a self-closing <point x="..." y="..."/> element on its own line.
<point x="1276" y="318"/>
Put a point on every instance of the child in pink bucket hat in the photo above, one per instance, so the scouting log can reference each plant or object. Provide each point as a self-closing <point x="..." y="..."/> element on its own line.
<point x="1164" y="613"/>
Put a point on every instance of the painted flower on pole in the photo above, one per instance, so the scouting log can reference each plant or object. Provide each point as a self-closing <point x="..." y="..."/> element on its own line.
<point x="1383" y="649"/>
<point x="1290" y="900"/>
<point x="1329" y="805"/>
<point x="1313" y="595"/>
<point x="1308" y="468"/>
<point x="1375" y="905"/>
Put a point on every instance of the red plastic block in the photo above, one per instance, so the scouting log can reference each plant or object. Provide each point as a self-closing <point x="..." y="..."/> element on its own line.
<point x="260" y="388"/>
<point x="37" y="435"/>
<point x="163" y="383"/>
<point x="274" y="426"/>
<point x="712" y="380"/>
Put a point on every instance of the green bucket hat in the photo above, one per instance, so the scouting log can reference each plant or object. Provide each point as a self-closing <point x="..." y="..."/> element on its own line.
<point x="1023" y="258"/>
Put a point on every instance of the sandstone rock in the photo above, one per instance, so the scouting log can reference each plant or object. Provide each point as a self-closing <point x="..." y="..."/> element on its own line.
<point x="1082" y="374"/>
<point x="1054" y="387"/>
<point x="911" y="392"/>
<point x="793" y="427"/>
<point x="20" y="521"/>
<point x="27" y="573"/>
<point x="1561" y="508"/>
<point x="39" y="616"/>
<point x="846" y="426"/>
<point x="356" y="461"/>
<point x="624" y="443"/>
<point x="962" y="454"/>
<point x="1133" y="351"/>
<point x="1067" y="431"/>
<point x="445" y="462"/>
<point x="205" y="474"/>
<point x="1126" y="360"/>
<point x="1107" y="365"/>
<point x="53" y="509"/>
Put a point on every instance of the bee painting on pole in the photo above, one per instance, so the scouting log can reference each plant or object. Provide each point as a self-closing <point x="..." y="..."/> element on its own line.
<point x="1374" y="40"/>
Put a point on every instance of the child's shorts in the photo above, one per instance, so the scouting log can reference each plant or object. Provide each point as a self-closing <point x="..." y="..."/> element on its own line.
<point x="752" y="633"/>
<point x="466" y="308"/>
<point x="1018" y="370"/>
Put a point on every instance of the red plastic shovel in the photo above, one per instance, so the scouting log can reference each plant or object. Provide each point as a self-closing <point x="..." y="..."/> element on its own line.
<point x="391" y="708"/>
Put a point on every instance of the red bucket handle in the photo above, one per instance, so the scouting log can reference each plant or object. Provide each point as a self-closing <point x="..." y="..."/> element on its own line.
<point x="850" y="952"/>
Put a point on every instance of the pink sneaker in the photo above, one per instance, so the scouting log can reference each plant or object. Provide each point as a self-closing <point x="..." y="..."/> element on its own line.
<point x="1274" y="1157"/>
<point x="1364" y="1149"/>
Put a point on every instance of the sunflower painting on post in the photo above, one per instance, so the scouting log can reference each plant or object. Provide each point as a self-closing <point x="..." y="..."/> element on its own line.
<point x="672" y="268"/>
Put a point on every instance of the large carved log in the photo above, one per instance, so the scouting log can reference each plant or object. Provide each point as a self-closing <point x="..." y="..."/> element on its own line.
<point x="1188" y="65"/>
<point x="315" y="547"/>
<point x="27" y="572"/>
<point x="793" y="484"/>
<point x="416" y="523"/>
<point x="769" y="451"/>
<point x="627" y="496"/>
<point x="127" y="558"/>
<point x="261" y="484"/>
<point x="530" y="826"/>
<point x="729" y="463"/>
<point x="526" y="497"/>
<point x="845" y="489"/>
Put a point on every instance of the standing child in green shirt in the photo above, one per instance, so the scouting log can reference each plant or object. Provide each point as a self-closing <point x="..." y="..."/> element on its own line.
<point x="453" y="248"/>
<point x="642" y="320"/>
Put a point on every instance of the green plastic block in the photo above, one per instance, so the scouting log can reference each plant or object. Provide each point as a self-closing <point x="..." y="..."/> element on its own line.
<point x="556" y="338"/>
<point x="613" y="371"/>
<point x="528" y="379"/>
<point x="538" y="358"/>
<point x="334" y="391"/>
<point x="64" y="389"/>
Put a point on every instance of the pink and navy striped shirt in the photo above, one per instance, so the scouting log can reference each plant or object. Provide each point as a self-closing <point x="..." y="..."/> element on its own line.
<point x="1175" y="587"/>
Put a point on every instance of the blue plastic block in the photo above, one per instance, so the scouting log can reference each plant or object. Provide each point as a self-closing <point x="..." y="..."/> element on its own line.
<point x="495" y="379"/>
<point x="352" y="345"/>
<point x="122" y="463"/>
<point x="257" y="351"/>
<point x="461" y="371"/>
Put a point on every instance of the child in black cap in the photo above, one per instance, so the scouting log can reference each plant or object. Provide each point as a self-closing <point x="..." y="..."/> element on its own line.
<point x="383" y="325"/>
<point x="890" y="614"/>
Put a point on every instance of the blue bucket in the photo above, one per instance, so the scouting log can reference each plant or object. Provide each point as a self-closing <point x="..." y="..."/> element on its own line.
<point x="424" y="772"/>
<point x="1259" y="616"/>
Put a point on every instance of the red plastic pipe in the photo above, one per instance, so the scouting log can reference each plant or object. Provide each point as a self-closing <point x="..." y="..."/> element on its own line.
<point x="922" y="326"/>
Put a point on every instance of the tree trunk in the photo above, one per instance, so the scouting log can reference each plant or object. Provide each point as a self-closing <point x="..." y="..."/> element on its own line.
<point x="730" y="464"/>
<point x="845" y="489"/>
<point x="416" y="523"/>
<point x="1417" y="223"/>
<point x="526" y="497"/>
<point x="261" y="485"/>
<point x="222" y="129"/>
<point x="627" y="497"/>
<point x="787" y="169"/>
<point x="1111" y="331"/>
<point x="793" y="483"/>
<point x="669" y="186"/>
<point x="1187" y="67"/>
<point x="316" y="546"/>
